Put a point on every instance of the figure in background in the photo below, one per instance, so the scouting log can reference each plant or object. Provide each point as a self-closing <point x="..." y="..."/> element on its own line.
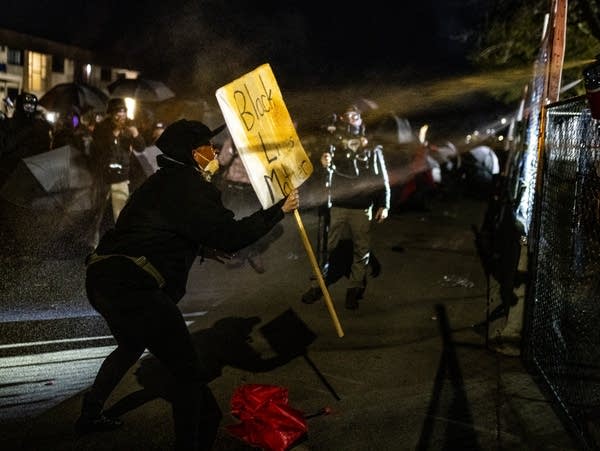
<point x="145" y="120"/>
<point x="425" y="176"/>
<point x="7" y="108"/>
<point x="25" y="134"/>
<point x="481" y="168"/>
<point x="147" y="159"/>
<point x="113" y="141"/>
<point x="238" y="195"/>
<point x="355" y="175"/>
<point x="157" y="129"/>
<point x="449" y="160"/>
<point x="139" y="271"/>
<point x="69" y="131"/>
<point x="89" y="120"/>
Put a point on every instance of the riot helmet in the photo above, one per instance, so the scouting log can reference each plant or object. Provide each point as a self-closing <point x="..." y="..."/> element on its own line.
<point x="352" y="116"/>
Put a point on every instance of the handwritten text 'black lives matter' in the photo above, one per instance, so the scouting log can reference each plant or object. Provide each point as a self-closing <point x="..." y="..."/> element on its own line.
<point x="251" y="108"/>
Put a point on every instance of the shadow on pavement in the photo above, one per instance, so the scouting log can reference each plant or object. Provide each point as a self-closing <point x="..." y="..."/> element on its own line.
<point x="227" y="342"/>
<point x="453" y="405"/>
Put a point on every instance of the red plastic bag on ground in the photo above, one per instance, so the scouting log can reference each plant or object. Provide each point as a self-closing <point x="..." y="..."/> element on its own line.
<point x="267" y="421"/>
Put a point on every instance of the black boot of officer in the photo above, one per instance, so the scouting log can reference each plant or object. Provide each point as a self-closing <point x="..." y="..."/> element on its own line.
<point x="353" y="295"/>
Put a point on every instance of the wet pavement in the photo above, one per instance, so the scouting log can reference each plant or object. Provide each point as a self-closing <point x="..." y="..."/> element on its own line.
<point x="410" y="371"/>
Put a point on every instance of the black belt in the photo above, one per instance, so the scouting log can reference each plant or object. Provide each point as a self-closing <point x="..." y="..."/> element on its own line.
<point x="142" y="262"/>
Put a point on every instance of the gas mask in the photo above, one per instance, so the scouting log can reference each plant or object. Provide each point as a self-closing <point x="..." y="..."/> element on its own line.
<point x="27" y="103"/>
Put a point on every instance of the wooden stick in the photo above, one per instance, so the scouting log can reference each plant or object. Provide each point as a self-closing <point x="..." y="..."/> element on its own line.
<point x="317" y="271"/>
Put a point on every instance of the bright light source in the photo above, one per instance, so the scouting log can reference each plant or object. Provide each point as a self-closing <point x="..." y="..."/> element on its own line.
<point x="500" y="138"/>
<point x="130" y="104"/>
<point x="423" y="133"/>
<point x="503" y="121"/>
<point x="51" y="117"/>
<point x="88" y="70"/>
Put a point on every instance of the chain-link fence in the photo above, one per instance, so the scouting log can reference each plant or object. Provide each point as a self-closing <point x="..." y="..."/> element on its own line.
<point x="562" y="318"/>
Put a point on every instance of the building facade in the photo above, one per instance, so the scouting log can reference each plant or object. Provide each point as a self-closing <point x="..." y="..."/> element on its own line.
<point x="32" y="64"/>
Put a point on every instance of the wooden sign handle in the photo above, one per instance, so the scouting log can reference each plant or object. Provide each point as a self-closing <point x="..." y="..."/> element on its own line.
<point x="317" y="271"/>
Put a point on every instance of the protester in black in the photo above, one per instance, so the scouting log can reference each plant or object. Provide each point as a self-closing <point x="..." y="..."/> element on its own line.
<point x="23" y="135"/>
<point x="139" y="272"/>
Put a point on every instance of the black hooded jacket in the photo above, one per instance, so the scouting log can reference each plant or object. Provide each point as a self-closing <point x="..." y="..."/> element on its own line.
<point x="109" y="149"/>
<point x="172" y="216"/>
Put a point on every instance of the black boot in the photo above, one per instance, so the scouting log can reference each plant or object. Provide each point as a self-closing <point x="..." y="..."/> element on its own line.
<point x="312" y="295"/>
<point x="352" y="297"/>
<point x="92" y="419"/>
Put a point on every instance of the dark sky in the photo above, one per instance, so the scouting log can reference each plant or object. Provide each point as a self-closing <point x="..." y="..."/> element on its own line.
<point x="310" y="41"/>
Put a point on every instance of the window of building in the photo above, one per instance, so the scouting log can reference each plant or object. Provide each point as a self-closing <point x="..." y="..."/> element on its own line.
<point x="106" y="74"/>
<point x="37" y="71"/>
<point x="15" y="57"/>
<point x="58" y="64"/>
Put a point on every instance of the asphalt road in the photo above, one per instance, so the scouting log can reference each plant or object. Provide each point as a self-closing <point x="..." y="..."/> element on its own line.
<point x="410" y="371"/>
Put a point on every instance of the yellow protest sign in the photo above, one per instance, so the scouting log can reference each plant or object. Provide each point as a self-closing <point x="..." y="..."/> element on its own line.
<point x="269" y="148"/>
<point x="264" y="134"/>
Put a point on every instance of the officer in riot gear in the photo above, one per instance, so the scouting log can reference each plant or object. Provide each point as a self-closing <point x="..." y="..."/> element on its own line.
<point x="358" y="191"/>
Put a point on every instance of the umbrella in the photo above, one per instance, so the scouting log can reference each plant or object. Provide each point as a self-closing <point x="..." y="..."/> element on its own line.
<point x="48" y="202"/>
<point x="64" y="96"/>
<point x="267" y="420"/>
<point x="140" y="89"/>
<point x="57" y="180"/>
<point x="147" y="159"/>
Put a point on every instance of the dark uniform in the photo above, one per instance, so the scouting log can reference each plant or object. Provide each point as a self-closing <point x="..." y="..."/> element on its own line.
<point x="358" y="185"/>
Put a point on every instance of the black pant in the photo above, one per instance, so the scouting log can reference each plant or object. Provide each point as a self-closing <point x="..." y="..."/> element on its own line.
<point x="141" y="316"/>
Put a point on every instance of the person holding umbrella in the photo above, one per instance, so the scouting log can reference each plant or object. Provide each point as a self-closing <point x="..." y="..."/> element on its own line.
<point x="139" y="272"/>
